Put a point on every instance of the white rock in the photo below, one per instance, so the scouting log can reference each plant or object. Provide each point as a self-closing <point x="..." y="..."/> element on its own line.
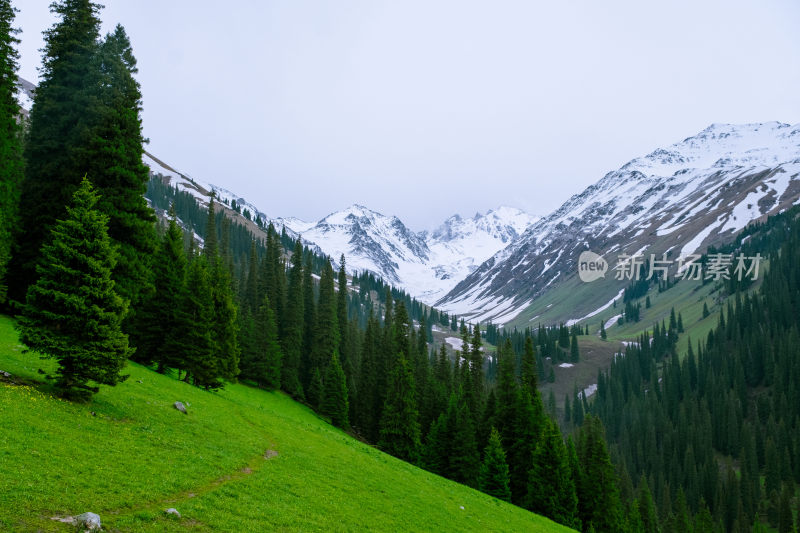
<point x="174" y="511"/>
<point x="90" y="521"/>
<point x="180" y="407"/>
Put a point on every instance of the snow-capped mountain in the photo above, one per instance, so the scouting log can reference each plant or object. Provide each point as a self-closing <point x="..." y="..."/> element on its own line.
<point x="680" y="199"/>
<point x="426" y="264"/>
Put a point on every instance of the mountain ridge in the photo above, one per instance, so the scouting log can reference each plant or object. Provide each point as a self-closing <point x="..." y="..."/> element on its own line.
<point x="669" y="201"/>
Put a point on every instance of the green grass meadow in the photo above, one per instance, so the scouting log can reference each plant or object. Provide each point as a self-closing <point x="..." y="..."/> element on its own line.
<point x="128" y="455"/>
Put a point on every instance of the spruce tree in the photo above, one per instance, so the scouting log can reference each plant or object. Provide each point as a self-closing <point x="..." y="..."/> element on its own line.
<point x="597" y="489"/>
<point x="10" y="134"/>
<point x="210" y="246"/>
<point x="60" y="124"/>
<point x="551" y="491"/>
<point x="574" y="354"/>
<point x="224" y="322"/>
<point x="530" y="376"/>
<point x="463" y="456"/>
<point x="334" y="397"/>
<point x="528" y="423"/>
<point x="293" y="330"/>
<point x="251" y="296"/>
<point x="434" y="456"/>
<point x="341" y="317"/>
<point x="646" y="508"/>
<point x="315" y="389"/>
<point x="326" y="333"/>
<point x="72" y="312"/>
<point x="476" y="373"/>
<point x="367" y="407"/>
<point x="493" y="476"/>
<point x="309" y="321"/>
<point x="159" y="326"/>
<point x="399" y="427"/>
<point x="264" y="364"/>
<point x="113" y="161"/>
<point x="199" y="354"/>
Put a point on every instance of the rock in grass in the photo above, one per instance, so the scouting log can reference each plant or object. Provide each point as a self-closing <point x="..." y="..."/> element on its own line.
<point x="180" y="407"/>
<point x="90" y="521"/>
<point x="172" y="511"/>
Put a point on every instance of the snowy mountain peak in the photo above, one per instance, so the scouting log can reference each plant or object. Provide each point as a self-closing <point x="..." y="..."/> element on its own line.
<point x="427" y="264"/>
<point x="761" y="144"/>
<point x="355" y="210"/>
<point x="503" y="223"/>
<point x="677" y="199"/>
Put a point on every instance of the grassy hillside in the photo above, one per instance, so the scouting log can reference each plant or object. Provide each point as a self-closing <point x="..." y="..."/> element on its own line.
<point x="242" y="460"/>
<point x="686" y="297"/>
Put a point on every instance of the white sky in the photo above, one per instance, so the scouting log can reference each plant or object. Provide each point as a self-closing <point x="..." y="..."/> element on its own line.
<point x="423" y="109"/>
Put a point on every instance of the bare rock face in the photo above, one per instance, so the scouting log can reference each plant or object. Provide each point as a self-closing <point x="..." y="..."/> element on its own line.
<point x="180" y="407"/>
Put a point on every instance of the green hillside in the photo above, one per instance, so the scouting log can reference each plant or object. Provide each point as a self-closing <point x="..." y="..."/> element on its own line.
<point x="243" y="459"/>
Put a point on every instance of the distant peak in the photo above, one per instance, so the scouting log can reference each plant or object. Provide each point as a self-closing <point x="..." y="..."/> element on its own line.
<point x="748" y="126"/>
<point x="355" y="210"/>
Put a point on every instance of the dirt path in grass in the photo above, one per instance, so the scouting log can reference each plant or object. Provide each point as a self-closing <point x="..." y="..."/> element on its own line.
<point x="158" y="506"/>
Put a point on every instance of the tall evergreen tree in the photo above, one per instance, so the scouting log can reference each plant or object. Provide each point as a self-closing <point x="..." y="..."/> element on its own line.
<point x="551" y="491"/>
<point x="341" y="316"/>
<point x="368" y="400"/>
<point x="493" y="476"/>
<point x="199" y="354"/>
<point x="334" y="396"/>
<point x="326" y="334"/>
<point x="530" y="376"/>
<point x="113" y="159"/>
<point x="646" y="508"/>
<point x="597" y="489"/>
<point x="10" y="133"/>
<point x="263" y="363"/>
<point x="210" y="242"/>
<point x="293" y="330"/>
<point x="476" y="373"/>
<point x="224" y="321"/>
<point x="72" y="312"/>
<point x="316" y="390"/>
<point x="159" y="323"/>
<point x="527" y="433"/>
<point x="60" y="126"/>
<point x="400" y="432"/>
<point x="251" y="295"/>
<point x="463" y="455"/>
<point x="574" y="353"/>
<point x="309" y="321"/>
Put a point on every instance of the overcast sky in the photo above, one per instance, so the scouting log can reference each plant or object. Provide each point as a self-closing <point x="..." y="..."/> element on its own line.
<point x="422" y="109"/>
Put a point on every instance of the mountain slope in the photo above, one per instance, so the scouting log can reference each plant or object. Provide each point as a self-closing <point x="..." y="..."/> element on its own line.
<point x="678" y="200"/>
<point x="243" y="459"/>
